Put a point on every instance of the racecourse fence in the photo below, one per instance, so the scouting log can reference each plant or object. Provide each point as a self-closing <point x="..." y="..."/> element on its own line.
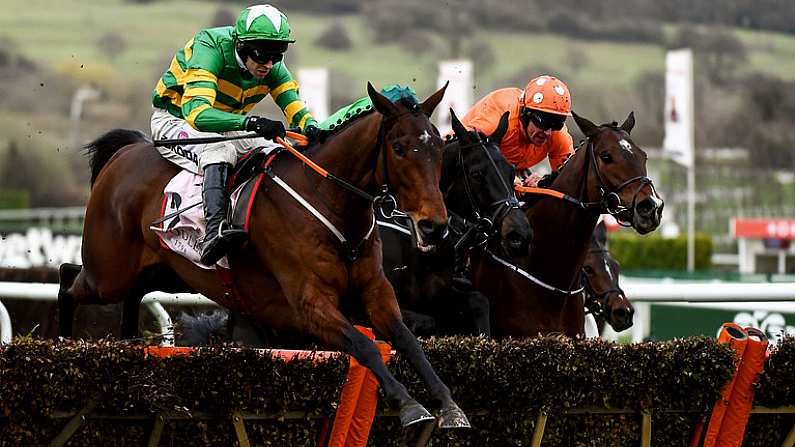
<point x="640" y="293"/>
<point x="543" y="391"/>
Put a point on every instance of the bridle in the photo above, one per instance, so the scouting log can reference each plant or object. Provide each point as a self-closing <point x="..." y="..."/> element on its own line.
<point x="594" y="301"/>
<point x="385" y="202"/>
<point x="487" y="219"/>
<point x="610" y="201"/>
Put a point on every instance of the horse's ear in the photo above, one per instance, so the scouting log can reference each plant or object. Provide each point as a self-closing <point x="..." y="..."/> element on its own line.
<point x="381" y="102"/>
<point x="628" y="123"/>
<point x="600" y="233"/>
<point x="502" y="127"/>
<point x="458" y="127"/>
<point x="430" y="104"/>
<point x="588" y="128"/>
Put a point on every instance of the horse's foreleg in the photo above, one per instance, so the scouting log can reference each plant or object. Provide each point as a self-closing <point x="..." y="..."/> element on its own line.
<point x="66" y="303"/>
<point x="479" y="306"/>
<point x="323" y="320"/>
<point x="418" y="323"/>
<point x="383" y="311"/>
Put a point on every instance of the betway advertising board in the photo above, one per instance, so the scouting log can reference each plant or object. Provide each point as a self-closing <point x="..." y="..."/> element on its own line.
<point x="39" y="247"/>
<point x="670" y="321"/>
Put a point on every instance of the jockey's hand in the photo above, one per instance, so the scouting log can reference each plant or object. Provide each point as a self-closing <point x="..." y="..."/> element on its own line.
<point x="315" y="134"/>
<point x="268" y="129"/>
<point x="532" y="180"/>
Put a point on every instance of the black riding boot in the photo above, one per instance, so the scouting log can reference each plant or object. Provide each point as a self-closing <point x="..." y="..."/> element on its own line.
<point x="220" y="237"/>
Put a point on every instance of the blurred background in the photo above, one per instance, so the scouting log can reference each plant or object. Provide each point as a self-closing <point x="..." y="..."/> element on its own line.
<point x="73" y="69"/>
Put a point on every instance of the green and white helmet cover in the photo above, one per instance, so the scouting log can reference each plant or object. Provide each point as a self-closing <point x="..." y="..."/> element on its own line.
<point x="262" y="22"/>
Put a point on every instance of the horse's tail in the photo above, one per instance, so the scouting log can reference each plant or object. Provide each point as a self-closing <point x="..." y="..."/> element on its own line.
<point x="103" y="148"/>
<point x="200" y="330"/>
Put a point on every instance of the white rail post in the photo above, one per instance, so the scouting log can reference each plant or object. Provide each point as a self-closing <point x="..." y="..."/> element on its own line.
<point x="5" y="325"/>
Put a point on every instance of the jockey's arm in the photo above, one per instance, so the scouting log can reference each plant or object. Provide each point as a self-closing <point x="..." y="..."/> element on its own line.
<point x="284" y="91"/>
<point x="201" y="87"/>
<point x="562" y="148"/>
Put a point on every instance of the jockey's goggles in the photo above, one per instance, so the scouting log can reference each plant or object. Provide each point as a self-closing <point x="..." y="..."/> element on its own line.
<point x="547" y="121"/>
<point x="262" y="57"/>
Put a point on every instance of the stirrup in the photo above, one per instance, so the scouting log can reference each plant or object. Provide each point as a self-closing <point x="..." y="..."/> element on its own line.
<point x="227" y="239"/>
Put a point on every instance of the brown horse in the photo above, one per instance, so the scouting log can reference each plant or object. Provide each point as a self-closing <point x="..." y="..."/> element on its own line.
<point x="604" y="298"/>
<point x="539" y="292"/>
<point x="476" y="183"/>
<point x="294" y="273"/>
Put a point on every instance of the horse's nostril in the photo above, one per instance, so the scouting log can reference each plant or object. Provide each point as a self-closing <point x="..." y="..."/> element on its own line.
<point x="645" y="207"/>
<point x="515" y="238"/>
<point x="430" y="230"/>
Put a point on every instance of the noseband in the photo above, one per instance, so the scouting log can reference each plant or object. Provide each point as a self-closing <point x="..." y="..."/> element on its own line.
<point x="596" y="302"/>
<point x="485" y="223"/>
<point x="610" y="201"/>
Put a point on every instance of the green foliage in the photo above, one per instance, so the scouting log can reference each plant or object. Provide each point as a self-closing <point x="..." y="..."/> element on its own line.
<point x="14" y="199"/>
<point x="501" y="385"/>
<point x="334" y="38"/>
<point x="636" y="252"/>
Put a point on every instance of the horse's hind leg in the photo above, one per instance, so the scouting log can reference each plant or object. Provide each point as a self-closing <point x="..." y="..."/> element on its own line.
<point x="385" y="316"/>
<point x="66" y="303"/>
<point x="129" y="315"/>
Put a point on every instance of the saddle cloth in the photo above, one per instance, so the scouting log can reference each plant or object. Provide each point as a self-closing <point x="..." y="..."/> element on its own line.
<point x="183" y="232"/>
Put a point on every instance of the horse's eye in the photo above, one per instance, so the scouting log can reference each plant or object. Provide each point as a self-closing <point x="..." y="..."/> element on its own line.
<point x="587" y="269"/>
<point x="606" y="158"/>
<point x="399" y="149"/>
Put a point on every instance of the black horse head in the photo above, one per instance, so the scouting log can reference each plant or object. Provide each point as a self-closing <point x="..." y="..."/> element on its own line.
<point x="477" y="184"/>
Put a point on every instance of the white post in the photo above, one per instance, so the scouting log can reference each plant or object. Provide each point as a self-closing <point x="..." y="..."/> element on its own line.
<point x="81" y="95"/>
<point x="5" y="325"/>
<point x="691" y="219"/>
<point x="782" y="261"/>
<point x="459" y="93"/>
<point x="313" y="83"/>
<point x="679" y="140"/>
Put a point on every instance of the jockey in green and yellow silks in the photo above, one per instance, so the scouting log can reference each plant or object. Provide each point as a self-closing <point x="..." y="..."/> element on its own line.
<point x="209" y="88"/>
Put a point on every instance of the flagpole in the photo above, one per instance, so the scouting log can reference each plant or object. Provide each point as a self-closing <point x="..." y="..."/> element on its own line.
<point x="691" y="177"/>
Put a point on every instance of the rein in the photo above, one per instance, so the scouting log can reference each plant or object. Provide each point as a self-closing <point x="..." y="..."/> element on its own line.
<point x="593" y="299"/>
<point x="610" y="202"/>
<point x="533" y="278"/>
<point x="482" y="227"/>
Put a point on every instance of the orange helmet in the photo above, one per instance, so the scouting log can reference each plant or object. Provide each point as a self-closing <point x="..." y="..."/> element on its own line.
<point x="547" y="94"/>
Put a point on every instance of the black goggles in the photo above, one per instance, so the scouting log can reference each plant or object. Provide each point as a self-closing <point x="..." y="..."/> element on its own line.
<point x="263" y="57"/>
<point x="547" y="121"/>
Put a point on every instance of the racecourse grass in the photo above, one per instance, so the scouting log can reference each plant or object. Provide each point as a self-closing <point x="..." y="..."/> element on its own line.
<point x="64" y="35"/>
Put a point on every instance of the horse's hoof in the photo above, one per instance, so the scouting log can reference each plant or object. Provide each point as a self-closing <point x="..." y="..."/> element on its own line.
<point x="412" y="413"/>
<point x="453" y="417"/>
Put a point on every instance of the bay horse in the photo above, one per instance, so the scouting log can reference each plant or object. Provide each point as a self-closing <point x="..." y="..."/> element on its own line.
<point x="539" y="293"/>
<point x="604" y="298"/>
<point x="477" y="185"/>
<point x="294" y="273"/>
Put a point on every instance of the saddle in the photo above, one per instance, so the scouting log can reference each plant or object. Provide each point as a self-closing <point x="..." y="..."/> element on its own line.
<point x="181" y="226"/>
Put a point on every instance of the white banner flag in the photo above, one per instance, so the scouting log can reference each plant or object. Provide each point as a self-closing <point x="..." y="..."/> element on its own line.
<point x="458" y="94"/>
<point x="313" y="83"/>
<point x="679" y="114"/>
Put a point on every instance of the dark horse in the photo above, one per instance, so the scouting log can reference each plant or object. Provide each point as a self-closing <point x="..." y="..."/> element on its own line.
<point x="604" y="298"/>
<point x="294" y="273"/>
<point x="476" y="183"/>
<point x="539" y="293"/>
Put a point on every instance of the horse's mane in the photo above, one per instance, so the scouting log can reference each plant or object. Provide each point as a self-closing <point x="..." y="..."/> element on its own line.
<point x="335" y="128"/>
<point x="101" y="150"/>
<point x="611" y="125"/>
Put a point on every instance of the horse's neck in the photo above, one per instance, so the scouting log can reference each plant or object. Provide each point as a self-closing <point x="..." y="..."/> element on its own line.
<point x="452" y="183"/>
<point x="352" y="155"/>
<point x="562" y="231"/>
